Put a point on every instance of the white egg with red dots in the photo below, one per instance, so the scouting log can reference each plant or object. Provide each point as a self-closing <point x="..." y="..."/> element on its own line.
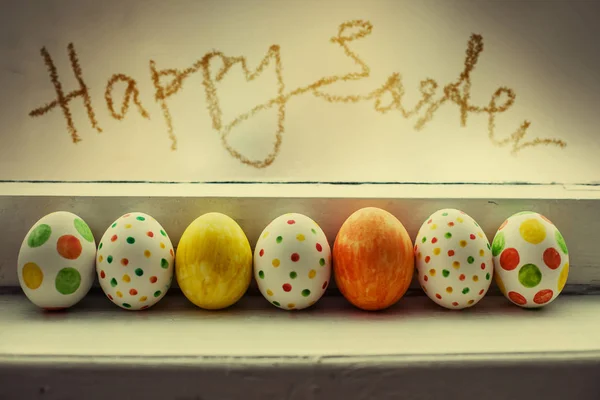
<point x="453" y="259"/>
<point x="135" y="261"/>
<point x="531" y="260"/>
<point x="292" y="262"/>
<point x="56" y="261"/>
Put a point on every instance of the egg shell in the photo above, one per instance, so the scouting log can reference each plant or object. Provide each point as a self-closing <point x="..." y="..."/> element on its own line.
<point x="531" y="260"/>
<point x="135" y="261"/>
<point x="292" y="262"/>
<point x="373" y="259"/>
<point x="453" y="259"/>
<point x="214" y="262"/>
<point x="56" y="261"/>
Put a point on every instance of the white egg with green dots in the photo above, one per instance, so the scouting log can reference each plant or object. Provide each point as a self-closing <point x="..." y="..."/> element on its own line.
<point x="292" y="262"/>
<point x="56" y="261"/>
<point x="135" y="262"/>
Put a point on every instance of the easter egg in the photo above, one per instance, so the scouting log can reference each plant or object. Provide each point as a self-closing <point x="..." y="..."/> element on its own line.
<point x="135" y="261"/>
<point x="292" y="262"/>
<point x="56" y="261"/>
<point x="531" y="260"/>
<point x="214" y="262"/>
<point x="373" y="259"/>
<point x="453" y="259"/>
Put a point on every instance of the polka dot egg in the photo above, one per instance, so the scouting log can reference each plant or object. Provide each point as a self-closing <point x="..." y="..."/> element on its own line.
<point x="453" y="259"/>
<point x="531" y="260"/>
<point x="292" y="262"/>
<point x="56" y="261"/>
<point x="135" y="262"/>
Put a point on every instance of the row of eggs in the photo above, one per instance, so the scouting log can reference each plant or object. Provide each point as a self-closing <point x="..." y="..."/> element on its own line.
<point x="373" y="260"/>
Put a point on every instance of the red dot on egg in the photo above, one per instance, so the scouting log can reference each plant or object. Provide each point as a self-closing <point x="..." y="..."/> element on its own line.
<point x="295" y="257"/>
<point x="481" y="292"/>
<point x="451" y="224"/>
<point x="113" y="238"/>
<point x="133" y="292"/>
<point x="450" y="253"/>
<point x="319" y="247"/>
<point x="287" y="287"/>
<point x="543" y="296"/>
<point x="109" y="296"/>
<point x="462" y="277"/>
<point x="144" y="307"/>
<point x="472" y="236"/>
<point x="552" y="258"/>
<point x="261" y="252"/>
<point x="291" y="222"/>
<point x="427" y="259"/>
<point x="434" y="240"/>
<point x="324" y="285"/>
<point x="438" y="296"/>
<point x="430" y="221"/>
<point x="509" y="259"/>
<point x="124" y="262"/>
<point x="454" y="303"/>
<point x="102" y="274"/>
<point x="69" y="247"/>
<point x="171" y="252"/>
<point x="482" y="265"/>
<point x="425" y="278"/>
<point x="517" y="298"/>
<point x="153" y="279"/>
<point x="150" y="234"/>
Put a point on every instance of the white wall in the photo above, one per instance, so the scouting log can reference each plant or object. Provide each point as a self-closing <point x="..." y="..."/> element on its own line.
<point x="544" y="51"/>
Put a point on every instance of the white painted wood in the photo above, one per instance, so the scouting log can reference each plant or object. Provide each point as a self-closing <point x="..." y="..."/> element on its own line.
<point x="414" y="328"/>
<point x="572" y="208"/>
<point x="416" y="350"/>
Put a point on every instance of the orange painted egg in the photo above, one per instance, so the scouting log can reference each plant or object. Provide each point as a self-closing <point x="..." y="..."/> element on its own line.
<point x="373" y="259"/>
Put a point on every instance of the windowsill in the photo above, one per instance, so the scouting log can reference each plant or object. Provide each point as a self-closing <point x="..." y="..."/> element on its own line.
<point x="413" y="330"/>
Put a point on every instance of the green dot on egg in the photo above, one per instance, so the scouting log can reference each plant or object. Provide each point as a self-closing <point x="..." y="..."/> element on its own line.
<point x="139" y="272"/>
<point x="276" y="303"/>
<point x="39" y="235"/>
<point x="261" y="274"/>
<point x="164" y="263"/>
<point x="279" y="239"/>
<point x="140" y="218"/>
<point x="113" y="282"/>
<point x="293" y="274"/>
<point x="130" y="240"/>
<point x="306" y="293"/>
<point x="470" y="260"/>
<point x="157" y="293"/>
<point x="322" y="262"/>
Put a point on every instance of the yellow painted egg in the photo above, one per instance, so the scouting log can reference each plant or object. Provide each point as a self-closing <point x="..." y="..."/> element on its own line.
<point x="213" y="264"/>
